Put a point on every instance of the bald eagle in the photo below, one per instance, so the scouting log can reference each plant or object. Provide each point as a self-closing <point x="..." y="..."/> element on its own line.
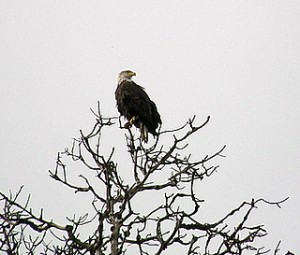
<point x="135" y="105"/>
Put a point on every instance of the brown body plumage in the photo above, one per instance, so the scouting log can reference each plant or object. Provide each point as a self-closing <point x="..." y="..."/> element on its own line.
<point x="135" y="105"/>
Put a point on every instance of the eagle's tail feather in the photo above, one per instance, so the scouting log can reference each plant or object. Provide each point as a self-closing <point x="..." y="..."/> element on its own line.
<point x="144" y="133"/>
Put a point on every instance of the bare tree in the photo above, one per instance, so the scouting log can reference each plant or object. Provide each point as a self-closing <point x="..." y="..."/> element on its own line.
<point x="119" y="222"/>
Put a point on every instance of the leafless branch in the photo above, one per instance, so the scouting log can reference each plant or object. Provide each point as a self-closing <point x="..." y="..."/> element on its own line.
<point x="120" y="224"/>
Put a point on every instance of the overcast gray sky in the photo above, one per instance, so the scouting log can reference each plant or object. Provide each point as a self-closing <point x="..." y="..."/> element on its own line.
<point x="237" y="61"/>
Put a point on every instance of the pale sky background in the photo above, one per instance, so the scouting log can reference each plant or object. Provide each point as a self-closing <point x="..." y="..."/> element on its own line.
<point x="237" y="61"/>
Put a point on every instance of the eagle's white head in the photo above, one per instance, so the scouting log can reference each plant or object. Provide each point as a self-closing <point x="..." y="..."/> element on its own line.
<point x="125" y="75"/>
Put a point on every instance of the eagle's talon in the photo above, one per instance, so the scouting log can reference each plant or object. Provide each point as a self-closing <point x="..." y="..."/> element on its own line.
<point x="132" y="120"/>
<point x="128" y="125"/>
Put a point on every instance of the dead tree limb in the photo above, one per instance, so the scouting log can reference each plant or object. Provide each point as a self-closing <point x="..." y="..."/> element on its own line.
<point x="122" y="223"/>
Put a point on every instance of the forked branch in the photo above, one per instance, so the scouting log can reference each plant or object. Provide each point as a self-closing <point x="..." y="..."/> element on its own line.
<point x="158" y="208"/>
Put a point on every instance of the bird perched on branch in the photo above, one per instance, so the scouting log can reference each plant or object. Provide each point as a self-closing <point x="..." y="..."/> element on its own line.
<point x="135" y="105"/>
